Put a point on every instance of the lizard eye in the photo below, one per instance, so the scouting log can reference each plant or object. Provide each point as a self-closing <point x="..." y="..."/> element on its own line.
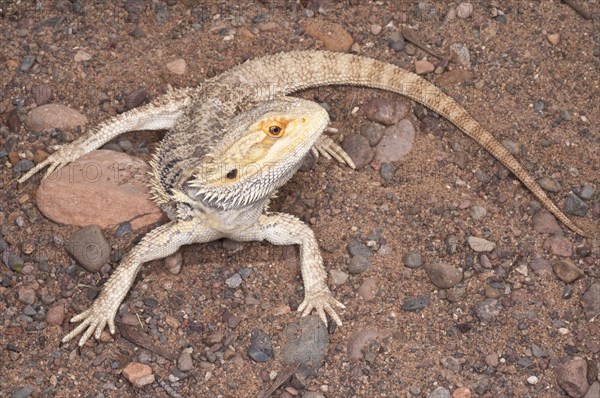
<point x="274" y="129"/>
<point x="232" y="174"/>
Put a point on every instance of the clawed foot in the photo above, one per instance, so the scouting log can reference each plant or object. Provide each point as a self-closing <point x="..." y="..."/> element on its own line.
<point x="329" y="149"/>
<point x="93" y="321"/>
<point x="323" y="302"/>
<point x="63" y="156"/>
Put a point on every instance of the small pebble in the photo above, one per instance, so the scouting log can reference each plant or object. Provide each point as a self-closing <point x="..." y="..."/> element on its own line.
<point x="567" y="271"/>
<point x="358" y="264"/>
<point x="396" y="42"/>
<point x="27" y="63"/>
<point x="412" y="259"/>
<point x="388" y="170"/>
<point x="554" y="38"/>
<point x="376" y="29"/>
<point x="423" y="67"/>
<point x="586" y="191"/>
<point x="357" y="248"/>
<point x="439" y="392"/>
<point x="260" y="348"/>
<point x="575" y="206"/>
<point x="174" y="263"/>
<point x="487" y="310"/>
<point x="138" y="374"/>
<point x="306" y="343"/>
<point x="89" y="248"/>
<point x="123" y="229"/>
<point x="478" y="212"/>
<point x="367" y="289"/>
<point x="415" y="304"/>
<point x="464" y="10"/>
<point x="480" y="244"/>
<point x="533" y="380"/>
<point x="443" y="275"/>
<point x="549" y="184"/>
<point x="184" y="362"/>
<point x="177" y="67"/>
<point x="23" y="392"/>
<point x="234" y="281"/>
<point x="338" y="277"/>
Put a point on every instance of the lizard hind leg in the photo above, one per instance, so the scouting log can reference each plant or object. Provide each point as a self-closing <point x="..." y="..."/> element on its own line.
<point x="158" y="243"/>
<point x="285" y="229"/>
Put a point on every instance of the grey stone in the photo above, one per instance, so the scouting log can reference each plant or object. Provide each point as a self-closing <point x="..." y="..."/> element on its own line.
<point x="306" y="342"/>
<point x="260" y="348"/>
<point x="373" y="132"/>
<point x="415" y="304"/>
<point x="89" y="248"/>
<point x="439" y="392"/>
<point x="397" y="141"/>
<point x="358" y="264"/>
<point x="359" y="150"/>
<point x="412" y="259"/>
<point x="590" y="301"/>
<point x="575" y="206"/>
<point x="487" y="310"/>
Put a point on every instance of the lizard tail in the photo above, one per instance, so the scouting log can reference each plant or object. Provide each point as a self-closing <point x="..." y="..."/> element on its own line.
<point x="303" y="69"/>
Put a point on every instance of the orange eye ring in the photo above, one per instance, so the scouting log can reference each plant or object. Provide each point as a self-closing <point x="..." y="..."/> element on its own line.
<point x="274" y="129"/>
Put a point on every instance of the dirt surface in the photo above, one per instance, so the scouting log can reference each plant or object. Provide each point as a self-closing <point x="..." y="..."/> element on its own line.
<point x="544" y="97"/>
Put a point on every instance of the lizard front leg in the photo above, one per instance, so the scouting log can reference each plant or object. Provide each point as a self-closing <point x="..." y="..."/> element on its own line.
<point x="284" y="229"/>
<point x="158" y="115"/>
<point x="159" y="243"/>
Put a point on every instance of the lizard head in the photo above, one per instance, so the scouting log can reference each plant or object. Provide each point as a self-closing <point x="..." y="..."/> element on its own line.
<point x="263" y="149"/>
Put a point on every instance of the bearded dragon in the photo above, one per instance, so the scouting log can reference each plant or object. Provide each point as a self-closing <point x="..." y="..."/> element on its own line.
<point x="232" y="142"/>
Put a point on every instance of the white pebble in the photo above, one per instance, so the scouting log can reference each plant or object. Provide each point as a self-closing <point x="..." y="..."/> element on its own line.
<point x="533" y="380"/>
<point x="464" y="10"/>
<point x="563" y="330"/>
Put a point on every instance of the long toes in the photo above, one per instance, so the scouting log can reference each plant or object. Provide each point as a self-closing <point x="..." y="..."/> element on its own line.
<point x="322" y="315"/>
<point x="302" y="306"/>
<point x="80" y="317"/>
<point x="336" y="318"/>
<point x="88" y="333"/>
<point x="307" y="310"/>
<point x="99" y="328"/>
<point x="111" y="325"/>
<point x="76" y="331"/>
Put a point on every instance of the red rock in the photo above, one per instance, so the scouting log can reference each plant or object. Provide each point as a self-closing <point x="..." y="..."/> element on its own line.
<point x="545" y="222"/>
<point x="103" y="188"/>
<point x="443" y="275"/>
<point x="397" y="141"/>
<point x="138" y="374"/>
<point x="386" y="111"/>
<point x="594" y="390"/>
<point x="56" y="315"/>
<point x="54" y="116"/>
<point x="333" y="35"/>
<point x="178" y="66"/>
<point x="559" y="246"/>
<point x="366" y="290"/>
<point x="359" y="340"/>
<point x="26" y="295"/>
<point x="462" y="392"/>
<point x="423" y="67"/>
<point x="572" y="377"/>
